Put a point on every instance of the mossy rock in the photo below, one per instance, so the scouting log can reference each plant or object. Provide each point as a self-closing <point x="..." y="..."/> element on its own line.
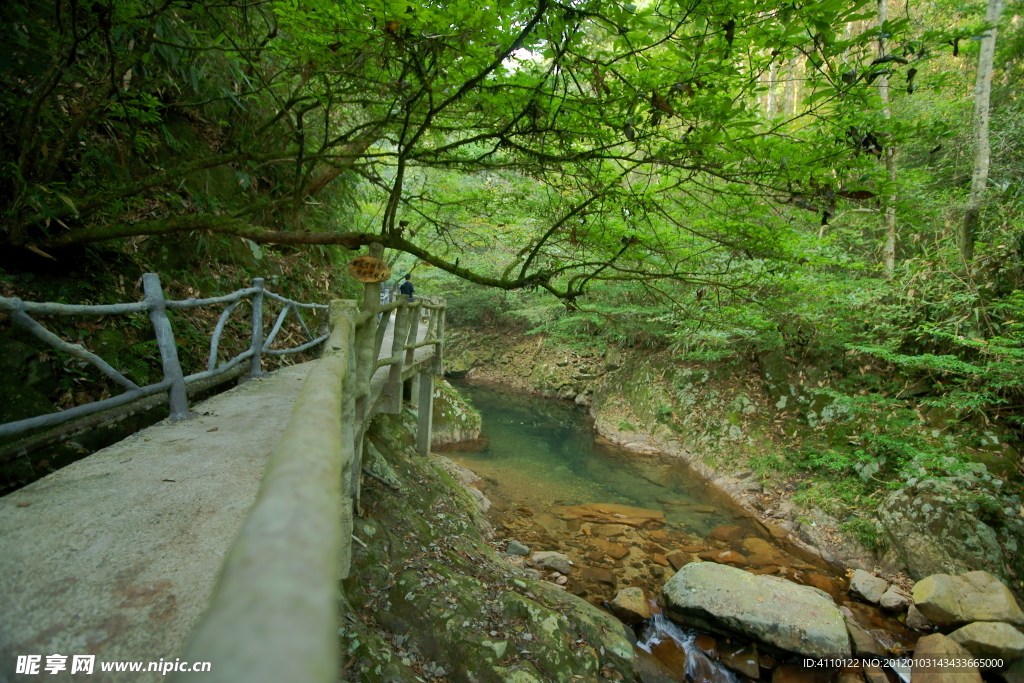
<point x="933" y="531"/>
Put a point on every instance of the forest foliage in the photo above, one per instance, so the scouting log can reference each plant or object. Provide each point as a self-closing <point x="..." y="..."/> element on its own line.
<point x="710" y="178"/>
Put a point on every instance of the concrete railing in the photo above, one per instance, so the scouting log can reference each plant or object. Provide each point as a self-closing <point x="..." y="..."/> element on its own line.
<point x="274" y="612"/>
<point x="175" y="384"/>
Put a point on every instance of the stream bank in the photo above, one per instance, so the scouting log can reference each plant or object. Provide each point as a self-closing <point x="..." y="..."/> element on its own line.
<point x="430" y="598"/>
<point x="758" y="429"/>
<point x="738" y="604"/>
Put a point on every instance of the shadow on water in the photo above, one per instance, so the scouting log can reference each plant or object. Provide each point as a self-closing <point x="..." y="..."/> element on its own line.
<point x="543" y="452"/>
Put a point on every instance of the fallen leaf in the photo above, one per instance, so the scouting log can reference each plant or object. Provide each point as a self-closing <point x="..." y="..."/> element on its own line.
<point x="24" y="505"/>
<point x="174" y="480"/>
<point x="37" y="250"/>
<point x="213" y="430"/>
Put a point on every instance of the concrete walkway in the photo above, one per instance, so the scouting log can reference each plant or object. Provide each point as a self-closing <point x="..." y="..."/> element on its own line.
<point x="116" y="554"/>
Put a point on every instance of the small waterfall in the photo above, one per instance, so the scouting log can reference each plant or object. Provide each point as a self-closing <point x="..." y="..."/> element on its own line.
<point x="698" y="665"/>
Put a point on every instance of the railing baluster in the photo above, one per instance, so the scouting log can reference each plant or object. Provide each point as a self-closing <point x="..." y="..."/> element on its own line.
<point x="176" y="396"/>
<point x="256" y="363"/>
<point x="156" y="306"/>
<point x="211" y="363"/>
<point x="298" y="314"/>
<point x="276" y="328"/>
<point x="414" y="333"/>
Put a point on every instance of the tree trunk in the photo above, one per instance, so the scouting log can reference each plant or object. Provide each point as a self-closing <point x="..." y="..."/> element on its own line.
<point x="889" y="202"/>
<point x="773" y="71"/>
<point x="789" y="97"/>
<point x="982" y="94"/>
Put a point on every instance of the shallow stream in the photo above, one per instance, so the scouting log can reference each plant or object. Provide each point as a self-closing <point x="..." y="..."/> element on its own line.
<point x="544" y="452"/>
<point x="539" y="457"/>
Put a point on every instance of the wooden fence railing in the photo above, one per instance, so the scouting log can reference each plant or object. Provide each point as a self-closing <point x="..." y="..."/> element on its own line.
<point x="175" y="385"/>
<point x="274" y="612"/>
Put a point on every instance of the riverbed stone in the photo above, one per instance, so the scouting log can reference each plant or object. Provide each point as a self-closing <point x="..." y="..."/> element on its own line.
<point x="875" y="674"/>
<point x="762" y="553"/>
<point x="549" y="559"/>
<point x="517" y="548"/>
<point x="454" y="420"/>
<point x="742" y="660"/>
<point x="975" y="596"/>
<point x="598" y="575"/>
<point x="650" y="669"/>
<point x="724" y="557"/>
<point x="610" y="548"/>
<point x="895" y="599"/>
<point x="795" y="673"/>
<point x="727" y="533"/>
<point x="990" y="639"/>
<point x="781" y="614"/>
<point x="678" y="560"/>
<point x="866" y="587"/>
<point x="630" y="605"/>
<point x="938" y="646"/>
<point x="862" y="642"/>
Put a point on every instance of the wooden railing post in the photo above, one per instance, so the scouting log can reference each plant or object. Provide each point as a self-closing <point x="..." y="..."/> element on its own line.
<point x="371" y="290"/>
<point x="364" y="342"/>
<point x="176" y="396"/>
<point x="256" y="362"/>
<point x="393" y="386"/>
<point x="439" y="347"/>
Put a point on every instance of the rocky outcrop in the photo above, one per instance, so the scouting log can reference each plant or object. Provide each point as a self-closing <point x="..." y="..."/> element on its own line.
<point x="931" y="530"/>
<point x="454" y="420"/>
<point x="975" y="596"/>
<point x="784" y="615"/>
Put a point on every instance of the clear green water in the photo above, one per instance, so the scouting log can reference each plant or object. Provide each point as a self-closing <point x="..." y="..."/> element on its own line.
<point x="543" y="452"/>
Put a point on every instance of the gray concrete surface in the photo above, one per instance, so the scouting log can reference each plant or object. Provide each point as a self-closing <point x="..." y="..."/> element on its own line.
<point x="116" y="555"/>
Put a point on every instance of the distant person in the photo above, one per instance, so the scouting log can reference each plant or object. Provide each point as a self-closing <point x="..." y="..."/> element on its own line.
<point x="407" y="287"/>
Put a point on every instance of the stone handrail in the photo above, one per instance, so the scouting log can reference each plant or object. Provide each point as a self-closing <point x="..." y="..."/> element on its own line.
<point x="274" y="611"/>
<point x="174" y="381"/>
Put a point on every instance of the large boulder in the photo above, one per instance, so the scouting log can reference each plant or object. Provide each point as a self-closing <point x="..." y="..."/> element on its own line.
<point x="776" y="612"/>
<point x="931" y="530"/>
<point x="938" y="646"/>
<point x="454" y="420"/>
<point x="991" y="639"/>
<point x="460" y="365"/>
<point x="975" y="596"/>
